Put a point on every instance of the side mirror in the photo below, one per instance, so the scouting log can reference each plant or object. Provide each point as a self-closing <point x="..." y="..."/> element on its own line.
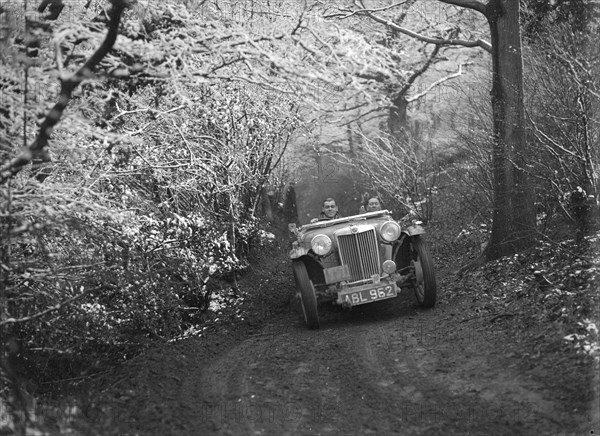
<point x="292" y="228"/>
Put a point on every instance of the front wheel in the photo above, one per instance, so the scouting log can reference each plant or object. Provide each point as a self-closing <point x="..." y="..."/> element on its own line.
<point x="308" y="298"/>
<point x="425" y="284"/>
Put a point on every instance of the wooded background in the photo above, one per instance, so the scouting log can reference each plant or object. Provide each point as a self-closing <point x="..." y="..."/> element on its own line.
<point x="147" y="145"/>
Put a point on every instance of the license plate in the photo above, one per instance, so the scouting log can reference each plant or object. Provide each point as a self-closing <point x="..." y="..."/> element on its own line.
<point x="369" y="295"/>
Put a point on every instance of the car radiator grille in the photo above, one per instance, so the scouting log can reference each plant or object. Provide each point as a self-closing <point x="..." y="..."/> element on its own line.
<point x="360" y="252"/>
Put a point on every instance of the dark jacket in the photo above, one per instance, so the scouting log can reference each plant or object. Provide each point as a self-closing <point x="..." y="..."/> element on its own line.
<point x="323" y="217"/>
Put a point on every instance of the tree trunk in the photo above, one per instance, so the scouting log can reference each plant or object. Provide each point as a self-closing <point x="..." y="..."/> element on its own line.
<point x="513" y="214"/>
<point x="267" y="205"/>
<point x="397" y="120"/>
<point x="290" y="210"/>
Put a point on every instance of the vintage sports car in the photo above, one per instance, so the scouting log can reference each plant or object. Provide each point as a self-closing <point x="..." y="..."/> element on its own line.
<point x="359" y="259"/>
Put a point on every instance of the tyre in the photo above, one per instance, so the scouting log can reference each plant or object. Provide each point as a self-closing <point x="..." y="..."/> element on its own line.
<point x="425" y="284"/>
<point x="308" y="298"/>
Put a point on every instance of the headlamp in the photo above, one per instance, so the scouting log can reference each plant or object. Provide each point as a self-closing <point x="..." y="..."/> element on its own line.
<point x="389" y="231"/>
<point x="321" y="244"/>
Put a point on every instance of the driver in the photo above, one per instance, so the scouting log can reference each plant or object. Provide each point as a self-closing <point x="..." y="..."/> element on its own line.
<point x="329" y="211"/>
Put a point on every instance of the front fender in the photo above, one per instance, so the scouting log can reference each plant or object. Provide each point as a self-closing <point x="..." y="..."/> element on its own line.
<point x="297" y="252"/>
<point x="414" y="230"/>
<point x="313" y="267"/>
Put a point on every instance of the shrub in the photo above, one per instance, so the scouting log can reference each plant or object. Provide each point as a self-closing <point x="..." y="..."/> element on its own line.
<point x="134" y="278"/>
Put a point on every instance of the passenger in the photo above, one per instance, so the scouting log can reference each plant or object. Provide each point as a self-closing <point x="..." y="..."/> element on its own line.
<point x="329" y="211"/>
<point x="373" y="205"/>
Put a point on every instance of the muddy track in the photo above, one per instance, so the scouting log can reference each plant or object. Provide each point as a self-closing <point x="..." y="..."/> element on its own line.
<point x="384" y="368"/>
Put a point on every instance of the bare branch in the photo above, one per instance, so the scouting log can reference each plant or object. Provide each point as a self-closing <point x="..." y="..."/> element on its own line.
<point x="431" y="40"/>
<point x="185" y="141"/>
<point x="469" y="4"/>
<point x="47" y="311"/>
<point x="156" y="113"/>
<point x="414" y="76"/>
<point x="350" y="13"/>
<point x="436" y="83"/>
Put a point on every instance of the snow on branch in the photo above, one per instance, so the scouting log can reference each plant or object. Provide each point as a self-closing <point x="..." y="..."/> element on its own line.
<point x="431" y="40"/>
<point x="434" y="84"/>
<point x="37" y="151"/>
<point x="349" y="12"/>
<point x="428" y="39"/>
<point x="469" y="4"/>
